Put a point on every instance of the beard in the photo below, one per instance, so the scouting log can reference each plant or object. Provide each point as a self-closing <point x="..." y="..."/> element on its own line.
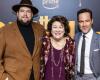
<point x="24" y="23"/>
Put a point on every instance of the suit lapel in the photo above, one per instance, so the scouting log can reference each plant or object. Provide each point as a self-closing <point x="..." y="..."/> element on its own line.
<point x="92" y="47"/>
<point x="77" y="43"/>
<point x="20" y="38"/>
<point x="36" y="38"/>
<point x="94" y="38"/>
<point x="77" y="38"/>
<point x="22" y="42"/>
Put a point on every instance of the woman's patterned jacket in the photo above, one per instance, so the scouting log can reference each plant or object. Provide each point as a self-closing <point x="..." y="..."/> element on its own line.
<point x="69" y="57"/>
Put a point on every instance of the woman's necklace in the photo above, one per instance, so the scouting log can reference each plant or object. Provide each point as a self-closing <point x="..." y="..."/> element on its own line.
<point x="60" y="60"/>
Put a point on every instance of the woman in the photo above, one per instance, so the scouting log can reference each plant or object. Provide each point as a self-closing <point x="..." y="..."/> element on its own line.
<point x="57" y="55"/>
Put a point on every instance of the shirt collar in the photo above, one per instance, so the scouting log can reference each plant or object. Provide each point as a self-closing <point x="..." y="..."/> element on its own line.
<point x="89" y="34"/>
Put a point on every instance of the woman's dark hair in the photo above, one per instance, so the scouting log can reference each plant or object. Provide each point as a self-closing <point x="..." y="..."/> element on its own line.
<point x="60" y="19"/>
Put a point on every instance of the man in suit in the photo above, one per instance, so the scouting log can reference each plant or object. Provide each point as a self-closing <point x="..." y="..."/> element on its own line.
<point x="87" y="65"/>
<point x="20" y="44"/>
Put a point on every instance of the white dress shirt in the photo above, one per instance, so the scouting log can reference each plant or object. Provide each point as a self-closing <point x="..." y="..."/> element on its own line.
<point x="88" y="39"/>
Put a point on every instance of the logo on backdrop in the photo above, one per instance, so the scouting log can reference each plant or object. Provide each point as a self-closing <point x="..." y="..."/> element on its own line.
<point x="80" y="3"/>
<point x="50" y="4"/>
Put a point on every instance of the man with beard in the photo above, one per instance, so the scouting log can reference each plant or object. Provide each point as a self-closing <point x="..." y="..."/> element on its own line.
<point x="20" y="44"/>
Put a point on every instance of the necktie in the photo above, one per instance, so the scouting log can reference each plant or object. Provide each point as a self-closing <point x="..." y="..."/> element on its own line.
<point x="82" y="56"/>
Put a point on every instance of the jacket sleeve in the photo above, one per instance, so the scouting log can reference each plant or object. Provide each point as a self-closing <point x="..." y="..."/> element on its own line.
<point x="2" y="46"/>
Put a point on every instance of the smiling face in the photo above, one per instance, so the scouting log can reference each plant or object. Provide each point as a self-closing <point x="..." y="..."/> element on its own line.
<point x="24" y="14"/>
<point x="85" y="22"/>
<point x="57" y="30"/>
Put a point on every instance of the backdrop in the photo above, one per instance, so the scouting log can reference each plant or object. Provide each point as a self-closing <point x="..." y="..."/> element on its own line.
<point x="50" y="8"/>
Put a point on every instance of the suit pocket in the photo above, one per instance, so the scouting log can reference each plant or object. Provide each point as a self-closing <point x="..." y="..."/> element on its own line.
<point x="10" y="68"/>
<point x="6" y="76"/>
<point x="10" y="65"/>
<point x="96" y="50"/>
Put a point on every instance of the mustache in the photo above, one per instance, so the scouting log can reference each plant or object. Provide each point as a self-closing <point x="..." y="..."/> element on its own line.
<point x="25" y="23"/>
<point x="25" y="17"/>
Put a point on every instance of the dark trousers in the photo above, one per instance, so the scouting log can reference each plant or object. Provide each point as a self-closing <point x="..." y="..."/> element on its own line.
<point x="32" y="75"/>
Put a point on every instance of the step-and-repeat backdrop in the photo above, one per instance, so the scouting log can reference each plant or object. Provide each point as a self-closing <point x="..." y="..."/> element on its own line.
<point x="49" y="8"/>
